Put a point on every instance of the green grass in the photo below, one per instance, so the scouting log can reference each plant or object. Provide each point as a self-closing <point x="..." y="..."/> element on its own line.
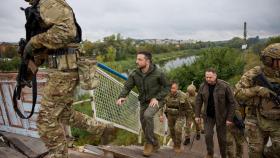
<point x="124" y="137"/>
<point x="252" y="60"/>
<point x="83" y="137"/>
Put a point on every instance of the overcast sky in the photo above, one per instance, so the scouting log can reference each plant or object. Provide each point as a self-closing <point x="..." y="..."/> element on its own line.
<point x="173" y="19"/>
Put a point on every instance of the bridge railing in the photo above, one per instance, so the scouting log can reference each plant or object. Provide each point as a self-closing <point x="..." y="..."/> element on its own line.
<point x="126" y="116"/>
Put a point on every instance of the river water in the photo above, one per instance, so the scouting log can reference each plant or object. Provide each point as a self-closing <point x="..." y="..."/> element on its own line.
<point x="172" y="64"/>
<point x="177" y="62"/>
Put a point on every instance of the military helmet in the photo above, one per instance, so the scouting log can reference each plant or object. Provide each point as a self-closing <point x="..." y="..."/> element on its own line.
<point x="31" y="2"/>
<point x="191" y="88"/>
<point x="270" y="53"/>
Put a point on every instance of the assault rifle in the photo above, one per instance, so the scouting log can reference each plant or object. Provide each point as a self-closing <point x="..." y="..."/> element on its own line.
<point x="274" y="87"/>
<point x="28" y="69"/>
<point x="238" y="121"/>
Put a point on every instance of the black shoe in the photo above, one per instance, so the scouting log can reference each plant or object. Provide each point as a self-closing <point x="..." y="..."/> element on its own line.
<point x="187" y="141"/>
<point x="197" y="136"/>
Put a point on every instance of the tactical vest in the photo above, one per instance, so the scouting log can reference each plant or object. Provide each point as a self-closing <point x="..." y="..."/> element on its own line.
<point x="267" y="107"/>
<point x="35" y="25"/>
<point x="63" y="58"/>
<point x="175" y="105"/>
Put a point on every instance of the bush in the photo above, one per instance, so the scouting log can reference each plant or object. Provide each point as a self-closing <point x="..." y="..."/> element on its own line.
<point x="227" y="62"/>
<point x="9" y="64"/>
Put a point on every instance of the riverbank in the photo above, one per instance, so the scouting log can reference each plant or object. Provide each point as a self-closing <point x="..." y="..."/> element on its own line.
<point x="129" y="64"/>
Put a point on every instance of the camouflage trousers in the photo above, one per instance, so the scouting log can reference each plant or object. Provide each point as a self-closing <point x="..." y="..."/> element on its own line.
<point x="234" y="136"/>
<point x="259" y="131"/>
<point x="176" y="124"/>
<point x="189" y="120"/>
<point x="147" y="114"/>
<point x="56" y="110"/>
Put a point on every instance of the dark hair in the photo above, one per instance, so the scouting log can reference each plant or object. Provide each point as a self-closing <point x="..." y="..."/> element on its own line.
<point x="213" y="70"/>
<point x="147" y="55"/>
<point x="174" y="82"/>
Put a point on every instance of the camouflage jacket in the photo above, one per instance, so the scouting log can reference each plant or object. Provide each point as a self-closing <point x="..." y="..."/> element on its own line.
<point x="248" y="92"/>
<point x="223" y="101"/>
<point x="178" y="103"/>
<point x="58" y="17"/>
<point x="192" y="100"/>
<point x="152" y="84"/>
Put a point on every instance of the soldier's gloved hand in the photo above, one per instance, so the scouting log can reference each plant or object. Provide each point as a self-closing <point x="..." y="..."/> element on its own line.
<point x="264" y="92"/>
<point x="28" y="50"/>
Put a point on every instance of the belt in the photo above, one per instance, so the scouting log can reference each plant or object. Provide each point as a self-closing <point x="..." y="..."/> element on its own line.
<point x="173" y="108"/>
<point x="63" y="58"/>
<point x="63" y="51"/>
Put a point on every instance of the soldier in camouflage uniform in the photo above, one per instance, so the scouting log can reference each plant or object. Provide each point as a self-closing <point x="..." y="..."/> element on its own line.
<point x="191" y="93"/>
<point x="177" y="107"/>
<point x="57" y="20"/>
<point x="235" y="136"/>
<point x="262" y="113"/>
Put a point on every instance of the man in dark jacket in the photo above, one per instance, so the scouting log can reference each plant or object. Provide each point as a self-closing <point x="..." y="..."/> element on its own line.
<point x="217" y="97"/>
<point x="153" y="87"/>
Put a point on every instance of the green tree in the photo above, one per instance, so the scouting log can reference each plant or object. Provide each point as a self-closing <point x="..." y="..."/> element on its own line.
<point x="228" y="63"/>
<point x="271" y="40"/>
<point x="111" y="54"/>
<point x="88" y="47"/>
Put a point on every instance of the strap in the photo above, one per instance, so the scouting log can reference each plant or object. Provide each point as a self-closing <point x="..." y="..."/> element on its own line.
<point x="16" y="96"/>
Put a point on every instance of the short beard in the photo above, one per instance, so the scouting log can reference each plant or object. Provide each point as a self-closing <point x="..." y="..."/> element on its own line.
<point x="212" y="82"/>
<point x="141" y="67"/>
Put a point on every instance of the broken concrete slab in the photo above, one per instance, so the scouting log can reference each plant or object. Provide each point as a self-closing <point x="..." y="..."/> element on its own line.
<point x="31" y="147"/>
<point x="93" y="150"/>
<point x="136" y="152"/>
<point x="76" y="154"/>
<point x="6" y="152"/>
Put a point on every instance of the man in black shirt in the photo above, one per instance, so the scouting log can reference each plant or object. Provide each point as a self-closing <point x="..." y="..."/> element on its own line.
<point x="217" y="97"/>
<point x="211" y="108"/>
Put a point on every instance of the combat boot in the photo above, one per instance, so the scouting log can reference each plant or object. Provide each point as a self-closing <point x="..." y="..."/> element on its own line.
<point x="148" y="149"/>
<point x="110" y="130"/>
<point x="209" y="156"/>
<point x="156" y="147"/>
<point x="187" y="141"/>
<point x="177" y="148"/>
<point x="197" y="136"/>
<point x="203" y="131"/>
<point x="70" y="141"/>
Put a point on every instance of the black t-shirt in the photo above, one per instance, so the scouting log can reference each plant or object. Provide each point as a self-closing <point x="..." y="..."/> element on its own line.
<point x="211" y="107"/>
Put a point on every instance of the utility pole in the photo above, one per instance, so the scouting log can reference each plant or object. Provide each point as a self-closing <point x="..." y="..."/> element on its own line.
<point x="245" y="45"/>
<point x="245" y="32"/>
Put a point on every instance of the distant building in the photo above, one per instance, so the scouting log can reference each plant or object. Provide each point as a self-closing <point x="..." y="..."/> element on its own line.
<point x="164" y="41"/>
<point x="6" y="48"/>
<point x="244" y="46"/>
